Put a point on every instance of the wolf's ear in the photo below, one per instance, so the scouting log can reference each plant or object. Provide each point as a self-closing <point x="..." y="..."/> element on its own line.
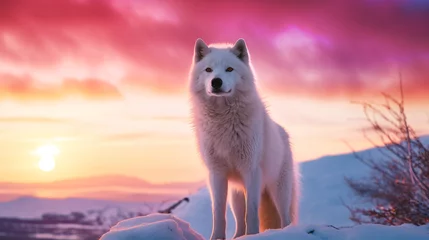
<point x="240" y="50"/>
<point x="201" y="50"/>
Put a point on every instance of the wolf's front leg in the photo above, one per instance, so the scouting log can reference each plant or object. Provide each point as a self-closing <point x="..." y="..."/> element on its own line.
<point x="219" y="192"/>
<point x="238" y="206"/>
<point x="253" y="186"/>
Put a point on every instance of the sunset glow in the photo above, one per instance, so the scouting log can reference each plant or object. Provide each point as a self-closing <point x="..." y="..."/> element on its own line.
<point x="105" y="81"/>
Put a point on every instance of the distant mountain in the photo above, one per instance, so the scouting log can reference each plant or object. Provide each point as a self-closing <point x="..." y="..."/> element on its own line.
<point x="109" y="187"/>
<point x="129" y="196"/>
<point x="99" y="181"/>
<point x="4" y="197"/>
<point x="32" y="207"/>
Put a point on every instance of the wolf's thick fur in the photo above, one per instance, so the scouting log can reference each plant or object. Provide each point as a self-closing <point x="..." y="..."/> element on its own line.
<point x="240" y="143"/>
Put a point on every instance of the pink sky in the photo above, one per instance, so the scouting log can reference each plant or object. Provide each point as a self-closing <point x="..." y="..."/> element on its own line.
<point x="106" y="81"/>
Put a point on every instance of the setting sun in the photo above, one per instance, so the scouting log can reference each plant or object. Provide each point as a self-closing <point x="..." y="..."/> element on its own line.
<point x="47" y="160"/>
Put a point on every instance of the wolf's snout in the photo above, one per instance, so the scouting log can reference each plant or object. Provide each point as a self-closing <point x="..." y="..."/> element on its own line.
<point x="216" y="83"/>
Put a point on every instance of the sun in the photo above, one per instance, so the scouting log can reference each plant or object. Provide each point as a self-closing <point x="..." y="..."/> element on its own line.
<point x="46" y="163"/>
<point x="46" y="154"/>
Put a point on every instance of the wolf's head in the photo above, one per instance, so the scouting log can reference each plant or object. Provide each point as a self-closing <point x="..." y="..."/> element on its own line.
<point x="221" y="71"/>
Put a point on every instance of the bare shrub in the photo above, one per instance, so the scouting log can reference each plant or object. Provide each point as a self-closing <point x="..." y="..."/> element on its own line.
<point x="399" y="184"/>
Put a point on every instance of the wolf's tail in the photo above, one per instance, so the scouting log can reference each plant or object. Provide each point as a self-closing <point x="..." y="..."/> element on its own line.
<point x="294" y="206"/>
<point x="268" y="215"/>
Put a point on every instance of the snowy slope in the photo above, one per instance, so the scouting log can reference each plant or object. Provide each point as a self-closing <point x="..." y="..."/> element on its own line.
<point x="324" y="189"/>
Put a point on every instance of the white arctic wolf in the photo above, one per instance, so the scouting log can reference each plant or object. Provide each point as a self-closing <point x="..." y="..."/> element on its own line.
<point x="240" y="143"/>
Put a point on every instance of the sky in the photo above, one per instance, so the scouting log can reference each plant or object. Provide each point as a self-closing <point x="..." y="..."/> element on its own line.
<point x="106" y="81"/>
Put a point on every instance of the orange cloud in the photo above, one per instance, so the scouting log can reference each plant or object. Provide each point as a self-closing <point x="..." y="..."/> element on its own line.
<point x="25" y="88"/>
<point x="38" y="120"/>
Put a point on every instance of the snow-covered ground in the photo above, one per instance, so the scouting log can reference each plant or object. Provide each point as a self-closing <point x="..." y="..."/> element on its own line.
<point x="322" y="213"/>
<point x="169" y="227"/>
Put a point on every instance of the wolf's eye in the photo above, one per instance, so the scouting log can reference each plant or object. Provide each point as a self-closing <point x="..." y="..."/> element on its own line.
<point x="229" y="69"/>
<point x="209" y="70"/>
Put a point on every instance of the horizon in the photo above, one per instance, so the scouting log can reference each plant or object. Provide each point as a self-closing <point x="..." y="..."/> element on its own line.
<point x="100" y="187"/>
<point x="99" y="88"/>
<point x="130" y="189"/>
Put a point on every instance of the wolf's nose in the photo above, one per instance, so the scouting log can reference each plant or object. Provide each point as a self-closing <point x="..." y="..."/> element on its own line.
<point x="216" y="83"/>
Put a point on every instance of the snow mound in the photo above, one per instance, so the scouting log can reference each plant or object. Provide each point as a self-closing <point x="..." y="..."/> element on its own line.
<point x="166" y="227"/>
<point x="154" y="227"/>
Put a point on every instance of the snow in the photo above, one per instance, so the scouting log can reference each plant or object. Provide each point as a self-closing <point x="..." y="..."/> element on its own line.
<point x="169" y="227"/>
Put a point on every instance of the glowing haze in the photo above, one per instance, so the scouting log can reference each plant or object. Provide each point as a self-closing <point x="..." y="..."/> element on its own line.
<point x="106" y="81"/>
